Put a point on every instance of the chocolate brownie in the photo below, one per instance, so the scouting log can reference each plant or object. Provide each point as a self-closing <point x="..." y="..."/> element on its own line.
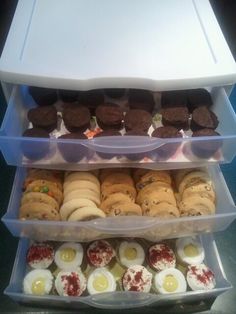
<point x="91" y="99"/>
<point x="175" y="98"/>
<point x="136" y="156"/>
<point x="35" y="150"/>
<point x="76" y="118"/>
<point x="176" y="116"/>
<point x="114" y="92"/>
<point x="68" y="95"/>
<point x="165" y="151"/>
<point x="198" y="98"/>
<point x="137" y="119"/>
<point x="43" y="96"/>
<point x="205" y="149"/>
<point x="43" y="117"/>
<point x="107" y="155"/>
<point x="141" y="99"/>
<point x="109" y="116"/>
<point x="203" y="118"/>
<point x="73" y="152"/>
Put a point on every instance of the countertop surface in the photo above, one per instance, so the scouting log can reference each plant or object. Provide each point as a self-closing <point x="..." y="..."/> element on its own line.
<point x="225" y="240"/>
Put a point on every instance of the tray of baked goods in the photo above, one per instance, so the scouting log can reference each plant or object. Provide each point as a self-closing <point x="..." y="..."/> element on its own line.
<point x="77" y="130"/>
<point x="111" y="202"/>
<point x="117" y="273"/>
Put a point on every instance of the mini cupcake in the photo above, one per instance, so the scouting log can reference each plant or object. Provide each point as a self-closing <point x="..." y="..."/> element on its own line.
<point x="170" y="280"/>
<point x="109" y="116"/>
<point x="100" y="281"/>
<point x="100" y="253"/>
<point x="203" y="118"/>
<point x="137" y="278"/>
<point x="136" y="156"/>
<point x="114" y="92"/>
<point x="131" y="253"/>
<point x="40" y="255"/>
<point x="38" y="282"/>
<point x="200" y="277"/>
<point x="177" y="117"/>
<point x="91" y="99"/>
<point x="68" y="95"/>
<point x="190" y="251"/>
<point x="165" y="151"/>
<point x="43" y="117"/>
<point x="198" y="98"/>
<point x="73" y="152"/>
<point x="70" y="283"/>
<point x="161" y="256"/>
<point x="43" y="96"/>
<point x="69" y="256"/>
<point x="205" y="149"/>
<point x="35" y="150"/>
<point x="175" y="98"/>
<point x="76" y="118"/>
<point x="137" y="119"/>
<point x="107" y="155"/>
<point x="141" y="99"/>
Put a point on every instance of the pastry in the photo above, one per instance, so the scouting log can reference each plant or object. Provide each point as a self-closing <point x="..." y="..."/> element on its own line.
<point x="175" y="98"/>
<point x="177" y="117"/>
<point x="170" y="280"/>
<point x="203" y="118"/>
<point x="161" y="256"/>
<point x="141" y="99"/>
<point x="43" y="117"/>
<point x="70" y="283"/>
<point x="76" y="118"/>
<point x="114" y="92"/>
<point x="100" y="253"/>
<point x="107" y="155"/>
<point x="137" y="278"/>
<point x="109" y="116"/>
<point x="131" y="253"/>
<point x="198" y="98"/>
<point x="68" y="95"/>
<point x="40" y="255"/>
<point x="38" y="282"/>
<point x="43" y="96"/>
<point x="200" y="277"/>
<point x="137" y="119"/>
<point x="91" y="99"/>
<point x="101" y="280"/>
<point x="69" y="256"/>
<point x="190" y="251"/>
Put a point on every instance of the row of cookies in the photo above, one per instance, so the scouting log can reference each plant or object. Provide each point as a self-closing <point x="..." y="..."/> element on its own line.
<point x="156" y="194"/>
<point x="118" y="193"/>
<point x="42" y="195"/>
<point x="81" y="197"/>
<point x="196" y="192"/>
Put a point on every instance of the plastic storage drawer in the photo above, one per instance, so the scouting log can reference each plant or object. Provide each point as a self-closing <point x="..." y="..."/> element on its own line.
<point x="15" y="122"/>
<point x="126" y="226"/>
<point x="119" y="299"/>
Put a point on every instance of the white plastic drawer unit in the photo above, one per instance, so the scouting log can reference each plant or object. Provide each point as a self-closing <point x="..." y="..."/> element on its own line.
<point x="119" y="299"/>
<point x="159" y="45"/>
<point x="149" y="228"/>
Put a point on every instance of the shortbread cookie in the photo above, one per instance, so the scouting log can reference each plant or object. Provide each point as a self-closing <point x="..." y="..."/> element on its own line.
<point x="83" y="193"/>
<point x="85" y="176"/>
<point x="162" y="210"/>
<point x="38" y="211"/>
<point x="196" y="206"/>
<point x="81" y="184"/>
<point x="114" y="200"/>
<point x="153" y="176"/>
<point x="86" y="213"/>
<point x="201" y="189"/>
<point x="31" y="197"/>
<point x="47" y="187"/>
<point x="69" y="207"/>
<point x="193" y="178"/>
<point x="116" y="178"/>
<point x="126" y="209"/>
<point x="122" y="188"/>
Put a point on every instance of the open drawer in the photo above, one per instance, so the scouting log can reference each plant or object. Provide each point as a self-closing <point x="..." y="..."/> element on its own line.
<point x="120" y="299"/>
<point x="150" y="228"/>
<point x="125" y="151"/>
